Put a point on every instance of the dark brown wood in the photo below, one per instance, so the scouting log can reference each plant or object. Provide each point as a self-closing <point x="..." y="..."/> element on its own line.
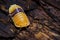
<point x="44" y="16"/>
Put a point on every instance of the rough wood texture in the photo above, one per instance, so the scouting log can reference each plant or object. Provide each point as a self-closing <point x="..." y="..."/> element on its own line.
<point x="44" y="16"/>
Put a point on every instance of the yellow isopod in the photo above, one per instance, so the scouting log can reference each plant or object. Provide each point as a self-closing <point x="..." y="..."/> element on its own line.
<point x="18" y="16"/>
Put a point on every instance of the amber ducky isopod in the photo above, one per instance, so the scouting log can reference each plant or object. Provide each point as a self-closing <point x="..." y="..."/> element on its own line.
<point x="18" y="16"/>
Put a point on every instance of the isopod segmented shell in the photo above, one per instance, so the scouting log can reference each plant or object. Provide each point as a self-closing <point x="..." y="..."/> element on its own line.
<point x="18" y="16"/>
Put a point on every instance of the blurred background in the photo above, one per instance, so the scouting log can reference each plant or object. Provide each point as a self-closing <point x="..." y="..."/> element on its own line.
<point x="44" y="16"/>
